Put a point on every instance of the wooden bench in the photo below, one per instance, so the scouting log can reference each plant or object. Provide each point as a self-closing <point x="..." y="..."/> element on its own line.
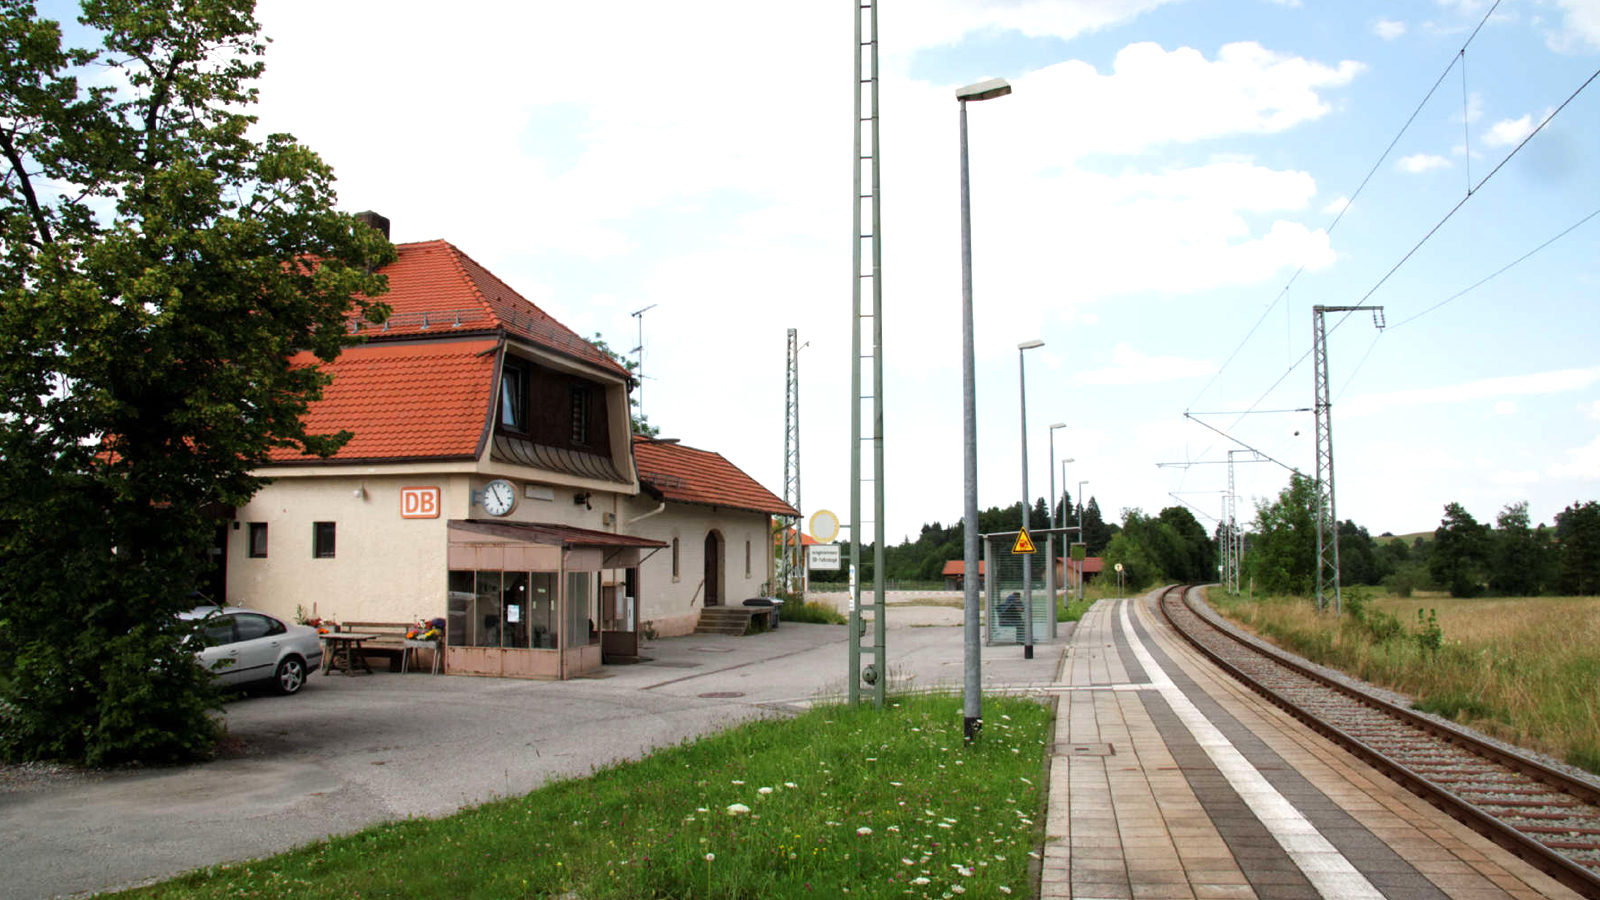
<point x="390" y="641"/>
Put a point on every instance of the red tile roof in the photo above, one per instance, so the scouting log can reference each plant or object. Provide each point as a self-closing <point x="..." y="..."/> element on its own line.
<point x="671" y="471"/>
<point x="1091" y="565"/>
<point x="959" y="567"/>
<point x="427" y="400"/>
<point x="434" y="288"/>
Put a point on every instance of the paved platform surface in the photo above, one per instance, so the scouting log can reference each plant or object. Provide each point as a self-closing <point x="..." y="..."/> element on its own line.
<point x="1171" y="780"/>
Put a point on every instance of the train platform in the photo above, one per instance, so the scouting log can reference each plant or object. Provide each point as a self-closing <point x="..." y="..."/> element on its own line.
<point x="1171" y="780"/>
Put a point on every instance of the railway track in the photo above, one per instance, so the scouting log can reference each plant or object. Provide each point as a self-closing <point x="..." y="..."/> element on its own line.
<point x="1541" y="814"/>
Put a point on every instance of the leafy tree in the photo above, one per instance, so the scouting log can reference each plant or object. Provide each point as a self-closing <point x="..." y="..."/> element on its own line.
<point x="1578" y="531"/>
<point x="1096" y="533"/>
<point x="1517" y="555"/>
<point x="1460" y="552"/>
<point x="1359" y="559"/>
<point x="1283" y="552"/>
<point x="158" y="269"/>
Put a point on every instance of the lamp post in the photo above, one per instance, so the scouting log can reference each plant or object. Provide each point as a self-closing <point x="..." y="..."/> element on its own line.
<point x="1027" y="558"/>
<point x="972" y="689"/>
<point x="1050" y="539"/>
<point x="1080" y="537"/>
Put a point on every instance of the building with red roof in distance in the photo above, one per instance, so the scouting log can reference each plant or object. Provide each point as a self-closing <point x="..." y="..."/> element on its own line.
<point x="491" y="480"/>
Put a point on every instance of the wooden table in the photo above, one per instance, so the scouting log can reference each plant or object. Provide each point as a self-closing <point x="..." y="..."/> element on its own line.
<point x="342" y="650"/>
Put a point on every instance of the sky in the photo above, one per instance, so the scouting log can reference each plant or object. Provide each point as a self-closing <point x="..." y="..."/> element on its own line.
<point x="1169" y="190"/>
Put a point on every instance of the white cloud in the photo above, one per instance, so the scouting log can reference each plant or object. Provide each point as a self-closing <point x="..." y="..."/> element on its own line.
<point x="1591" y="409"/>
<point x="1132" y="367"/>
<point x="1153" y="96"/>
<point x="1488" y="388"/>
<point x="1505" y="407"/>
<point x="1337" y="205"/>
<point x="1421" y="162"/>
<point x="1582" y="463"/>
<point x="1508" y="132"/>
<point x="1515" y="478"/>
<point x="1389" y="29"/>
<point x="1294" y="4"/>
<point x="1580" y="26"/>
<point x="933" y="23"/>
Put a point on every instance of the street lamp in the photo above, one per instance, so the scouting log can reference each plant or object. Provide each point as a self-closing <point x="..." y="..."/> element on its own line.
<point x="972" y="688"/>
<point x="1080" y="537"/>
<point x="1050" y="539"/>
<point x="1027" y="558"/>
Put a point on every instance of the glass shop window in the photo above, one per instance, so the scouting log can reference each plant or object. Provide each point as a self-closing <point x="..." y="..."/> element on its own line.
<point x="460" y="592"/>
<point x="514" y="604"/>
<point x="543" y="627"/>
<point x="322" y="537"/>
<point x="580" y="610"/>
<point x="485" y="618"/>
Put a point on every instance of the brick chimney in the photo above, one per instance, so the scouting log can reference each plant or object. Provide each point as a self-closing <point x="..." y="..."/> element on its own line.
<point x="373" y="220"/>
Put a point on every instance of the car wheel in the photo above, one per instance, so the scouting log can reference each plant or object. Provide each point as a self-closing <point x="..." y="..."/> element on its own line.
<point x="291" y="676"/>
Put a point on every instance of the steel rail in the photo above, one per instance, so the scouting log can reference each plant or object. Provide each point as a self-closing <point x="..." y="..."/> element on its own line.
<point x="1549" y="860"/>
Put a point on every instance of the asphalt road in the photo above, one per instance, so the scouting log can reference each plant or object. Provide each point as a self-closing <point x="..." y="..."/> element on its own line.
<point x="348" y="752"/>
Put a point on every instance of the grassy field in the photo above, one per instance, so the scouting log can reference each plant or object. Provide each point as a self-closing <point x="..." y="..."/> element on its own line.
<point x="835" y="802"/>
<point x="1524" y="670"/>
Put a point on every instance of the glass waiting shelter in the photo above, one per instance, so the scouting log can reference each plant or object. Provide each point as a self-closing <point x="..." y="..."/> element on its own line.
<point x="534" y="600"/>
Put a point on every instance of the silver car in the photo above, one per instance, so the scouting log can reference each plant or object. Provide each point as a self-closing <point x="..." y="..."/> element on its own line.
<point x="245" y="647"/>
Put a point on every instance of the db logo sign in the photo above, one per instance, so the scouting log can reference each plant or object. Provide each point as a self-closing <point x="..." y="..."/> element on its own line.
<point x="419" y="503"/>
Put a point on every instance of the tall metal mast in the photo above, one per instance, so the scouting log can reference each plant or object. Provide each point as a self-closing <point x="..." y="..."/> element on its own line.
<point x="867" y="242"/>
<point x="1326" y="511"/>
<point x="789" y="561"/>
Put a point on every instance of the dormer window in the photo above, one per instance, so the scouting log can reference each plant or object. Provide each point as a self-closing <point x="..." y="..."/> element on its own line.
<point x="514" y="397"/>
<point x="580" y="416"/>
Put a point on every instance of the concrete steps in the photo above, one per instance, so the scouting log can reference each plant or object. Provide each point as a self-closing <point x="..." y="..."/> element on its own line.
<point x="734" y="620"/>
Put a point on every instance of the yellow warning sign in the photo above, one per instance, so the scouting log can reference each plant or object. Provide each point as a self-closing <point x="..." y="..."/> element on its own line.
<point x="1024" y="543"/>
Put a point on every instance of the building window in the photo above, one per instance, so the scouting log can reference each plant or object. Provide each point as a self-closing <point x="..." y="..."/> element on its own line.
<point x="580" y="416"/>
<point x="747" y="559"/>
<point x="258" y="540"/>
<point x="674" y="559"/>
<point x="322" y="534"/>
<point x="513" y="397"/>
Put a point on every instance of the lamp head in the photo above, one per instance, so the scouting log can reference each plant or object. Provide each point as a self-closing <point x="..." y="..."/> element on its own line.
<point x="1058" y="425"/>
<point x="984" y="90"/>
<point x="1029" y="345"/>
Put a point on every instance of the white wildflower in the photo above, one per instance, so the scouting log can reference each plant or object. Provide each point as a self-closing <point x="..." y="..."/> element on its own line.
<point x="863" y="831"/>
<point x="738" y="809"/>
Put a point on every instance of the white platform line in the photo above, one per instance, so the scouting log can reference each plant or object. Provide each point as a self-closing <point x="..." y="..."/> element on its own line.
<point x="1324" y="866"/>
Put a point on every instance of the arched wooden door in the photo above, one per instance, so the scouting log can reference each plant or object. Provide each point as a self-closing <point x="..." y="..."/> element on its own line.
<point x="713" y="573"/>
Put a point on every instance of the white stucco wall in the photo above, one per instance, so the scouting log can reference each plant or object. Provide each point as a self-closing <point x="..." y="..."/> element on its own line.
<point x="391" y="569"/>
<point x="672" y="605"/>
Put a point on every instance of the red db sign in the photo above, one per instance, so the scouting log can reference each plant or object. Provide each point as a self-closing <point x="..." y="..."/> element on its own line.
<point x="419" y="503"/>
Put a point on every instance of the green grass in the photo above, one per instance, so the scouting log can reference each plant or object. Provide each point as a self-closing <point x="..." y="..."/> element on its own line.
<point x="1073" y="610"/>
<point x="1521" y="669"/>
<point x="813" y="612"/>
<point x="861" y="802"/>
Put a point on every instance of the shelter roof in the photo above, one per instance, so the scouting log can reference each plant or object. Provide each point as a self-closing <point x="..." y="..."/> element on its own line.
<point x="553" y="534"/>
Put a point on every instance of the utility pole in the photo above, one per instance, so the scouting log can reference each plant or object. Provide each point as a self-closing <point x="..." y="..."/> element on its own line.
<point x="867" y="240"/>
<point x="789" y="562"/>
<point x="1326" y="511"/>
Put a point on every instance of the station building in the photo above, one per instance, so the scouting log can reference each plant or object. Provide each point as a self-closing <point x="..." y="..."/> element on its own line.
<point x="491" y="480"/>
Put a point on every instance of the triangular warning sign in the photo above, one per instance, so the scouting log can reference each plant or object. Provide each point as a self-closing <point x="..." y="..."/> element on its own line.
<point x="1024" y="543"/>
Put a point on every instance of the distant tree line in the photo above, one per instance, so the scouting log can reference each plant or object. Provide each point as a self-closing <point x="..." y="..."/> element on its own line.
<point x="1468" y="558"/>
<point x="924" y="558"/>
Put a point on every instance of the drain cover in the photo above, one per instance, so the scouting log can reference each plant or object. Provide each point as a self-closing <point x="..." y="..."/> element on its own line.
<point x="722" y="695"/>
<point x="1083" y="750"/>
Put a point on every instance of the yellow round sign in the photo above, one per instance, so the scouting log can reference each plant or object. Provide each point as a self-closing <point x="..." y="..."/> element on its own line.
<point x="824" y="526"/>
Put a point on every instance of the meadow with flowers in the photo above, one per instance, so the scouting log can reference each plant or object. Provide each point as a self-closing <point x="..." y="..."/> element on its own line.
<point x="835" y="802"/>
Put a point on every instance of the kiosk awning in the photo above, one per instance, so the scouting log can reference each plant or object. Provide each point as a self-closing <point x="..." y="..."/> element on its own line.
<point x="472" y="539"/>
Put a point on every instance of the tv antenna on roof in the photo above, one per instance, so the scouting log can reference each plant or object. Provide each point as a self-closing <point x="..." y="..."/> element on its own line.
<point x="638" y="354"/>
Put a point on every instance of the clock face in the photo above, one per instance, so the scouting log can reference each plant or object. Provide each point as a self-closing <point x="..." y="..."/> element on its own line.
<point x="498" y="497"/>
